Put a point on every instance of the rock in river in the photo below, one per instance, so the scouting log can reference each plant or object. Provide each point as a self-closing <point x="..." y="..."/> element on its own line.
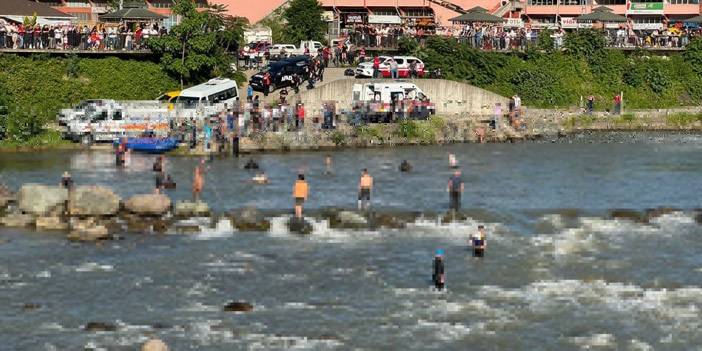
<point x="148" y="204"/>
<point x="40" y="199"/>
<point x="154" y="345"/>
<point x="17" y="220"/>
<point x="190" y="209"/>
<point x="100" y="327"/>
<point x="238" y="306"/>
<point x="250" y="220"/>
<point x="51" y="223"/>
<point x="93" y="201"/>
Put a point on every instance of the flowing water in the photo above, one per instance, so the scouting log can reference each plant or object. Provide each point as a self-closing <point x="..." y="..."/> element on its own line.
<point x="559" y="273"/>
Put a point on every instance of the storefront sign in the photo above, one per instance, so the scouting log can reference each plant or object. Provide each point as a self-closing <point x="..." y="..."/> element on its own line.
<point x="648" y="26"/>
<point x="384" y="19"/>
<point x="571" y="23"/>
<point x="514" y="22"/>
<point x="353" y="18"/>
<point x="644" y="8"/>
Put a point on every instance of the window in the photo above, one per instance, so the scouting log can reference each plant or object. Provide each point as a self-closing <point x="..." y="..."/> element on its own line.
<point x="385" y="12"/>
<point x="117" y="116"/>
<point x="611" y="2"/>
<point x="684" y="2"/>
<point x="418" y="12"/>
<point x="162" y="4"/>
<point x="188" y="102"/>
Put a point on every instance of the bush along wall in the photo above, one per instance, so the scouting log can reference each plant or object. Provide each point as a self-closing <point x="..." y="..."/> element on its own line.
<point x="552" y="79"/>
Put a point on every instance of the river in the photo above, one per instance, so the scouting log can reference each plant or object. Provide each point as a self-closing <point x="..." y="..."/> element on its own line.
<point x="559" y="273"/>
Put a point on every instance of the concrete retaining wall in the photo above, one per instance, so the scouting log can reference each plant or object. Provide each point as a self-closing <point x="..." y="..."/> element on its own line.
<point x="450" y="97"/>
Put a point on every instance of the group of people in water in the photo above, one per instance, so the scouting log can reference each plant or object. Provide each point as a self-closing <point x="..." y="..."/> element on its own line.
<point x="477" y="242"/>
<point x="301" y="190"/>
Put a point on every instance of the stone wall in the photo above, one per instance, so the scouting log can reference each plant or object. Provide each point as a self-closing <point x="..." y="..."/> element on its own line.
<point x="451" y="98"/>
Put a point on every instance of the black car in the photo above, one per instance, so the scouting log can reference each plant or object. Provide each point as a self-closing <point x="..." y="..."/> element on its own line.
<point x="282" y="73"/>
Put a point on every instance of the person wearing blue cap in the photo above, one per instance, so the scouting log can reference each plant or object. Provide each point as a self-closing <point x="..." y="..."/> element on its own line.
<point x="438" y="276"/>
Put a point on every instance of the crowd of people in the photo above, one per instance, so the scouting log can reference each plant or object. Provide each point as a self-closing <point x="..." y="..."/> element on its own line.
<point x="75" y="37"/>
<point x="487" y="36"/>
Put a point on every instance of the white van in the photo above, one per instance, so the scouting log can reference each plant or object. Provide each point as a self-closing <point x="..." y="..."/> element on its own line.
<point x="207" y="99"/>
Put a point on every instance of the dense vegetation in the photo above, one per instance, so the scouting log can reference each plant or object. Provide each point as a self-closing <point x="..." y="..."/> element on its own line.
<point x="33" y="89"/>
<point x="548" y="78"/>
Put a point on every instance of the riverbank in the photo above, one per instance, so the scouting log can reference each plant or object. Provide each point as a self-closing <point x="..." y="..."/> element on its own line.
<point x="538" y="124"/>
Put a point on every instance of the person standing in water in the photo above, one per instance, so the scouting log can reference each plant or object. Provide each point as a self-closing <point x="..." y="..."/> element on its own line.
<point x="328" y="165"/>
<point x="300" y="193"/>
<point x="439" y="276"/>
<point x="455" y="189"/>
<point x="198" y="180"/>
<point x="66" y="181"/>
<point x="453" y="163"/>
<point x="365" y="185"/>
<point x="478" y="242"/>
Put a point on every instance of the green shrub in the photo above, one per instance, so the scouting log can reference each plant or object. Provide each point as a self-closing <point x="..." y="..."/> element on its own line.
<point x="683" y="119"/>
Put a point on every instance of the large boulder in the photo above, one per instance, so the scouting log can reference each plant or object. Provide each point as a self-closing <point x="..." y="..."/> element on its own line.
<point x="250" y="220"/>
<point x="148" y="204"/>
<point x="93" y="201"/>
<point x="154" y="345"/>
<point x="88" y="230"/>
<point x="191" y="209"/>
<point x="40" y="199"/>
<point x="51" y="223"/>
<point x="17" y="220"/>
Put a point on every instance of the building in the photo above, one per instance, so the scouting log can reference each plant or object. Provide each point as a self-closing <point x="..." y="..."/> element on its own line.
<point x="88" y="11"/>
<point x="643" y="14"/>
<point x="15" y="11"/>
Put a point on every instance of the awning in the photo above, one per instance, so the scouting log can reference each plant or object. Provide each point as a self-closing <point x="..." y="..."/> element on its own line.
<point x="131" y="14"/>
<point x="477" y="14"/>
<point x="601" y="14"/>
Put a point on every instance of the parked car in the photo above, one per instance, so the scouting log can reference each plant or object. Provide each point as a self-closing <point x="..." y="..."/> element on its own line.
<point x="253" y="50"/>
<point x="281" y="51"/>
<point x="282" y="72"/>
<point x="365" y="69"/>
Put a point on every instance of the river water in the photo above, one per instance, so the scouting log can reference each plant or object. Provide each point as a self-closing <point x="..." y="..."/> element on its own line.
<point x="559" y="274"/>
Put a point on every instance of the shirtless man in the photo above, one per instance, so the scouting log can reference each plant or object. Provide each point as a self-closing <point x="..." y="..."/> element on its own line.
<point x="365" y="186"/>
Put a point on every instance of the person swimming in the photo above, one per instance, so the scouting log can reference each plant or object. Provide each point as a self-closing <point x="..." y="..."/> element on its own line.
<point x="251" y="164"/>
<point x="439" y="275"/>
<point x="405" y="166"/>
<point x="260" y="178"/>
<point x="66" y="181"/>
<point x="479" y="242"/>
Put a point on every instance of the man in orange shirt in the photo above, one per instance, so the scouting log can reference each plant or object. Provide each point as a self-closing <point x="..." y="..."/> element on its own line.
<point x="300" y="193"/>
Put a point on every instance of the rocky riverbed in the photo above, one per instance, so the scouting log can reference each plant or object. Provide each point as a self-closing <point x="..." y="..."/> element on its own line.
<point x="95" y="213"/>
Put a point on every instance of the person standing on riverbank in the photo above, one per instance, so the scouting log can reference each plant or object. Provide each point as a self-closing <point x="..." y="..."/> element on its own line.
<point x="198" y="180"/>
<point x="300" y="193"/>
<point x="617" y="104"/>
<point x="455" y="188"/>
<point x="365" y="186"/>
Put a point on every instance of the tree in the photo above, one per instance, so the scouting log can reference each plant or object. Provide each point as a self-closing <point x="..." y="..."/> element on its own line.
<point x="693" y="55"/>
<point x="192" y="50"/>
<point x="586" y="43"/>
<point x="304" y="21"/>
